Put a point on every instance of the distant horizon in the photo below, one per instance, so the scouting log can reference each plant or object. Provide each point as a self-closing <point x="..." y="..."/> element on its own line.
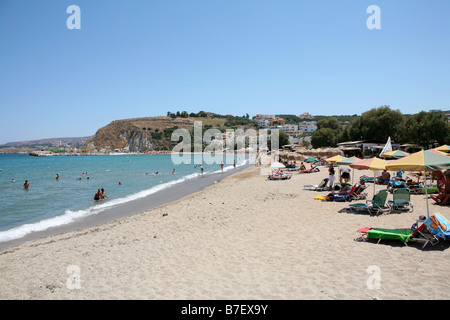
<point x="70" y="68"/>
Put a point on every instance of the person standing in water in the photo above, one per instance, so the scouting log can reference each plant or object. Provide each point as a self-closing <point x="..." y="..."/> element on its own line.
<point x="98" y="195"/>
<point x="26" y="185"/>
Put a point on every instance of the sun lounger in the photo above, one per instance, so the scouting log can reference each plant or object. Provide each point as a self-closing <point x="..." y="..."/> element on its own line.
<point x="401" y="200"/>
<point x="313" y="169"/>
<point x="403" y="235"/>
<point x="375" y="206"/>
<point x="337" y="197"/>
<point x="421" y="190"/>
<point x="422" y="233"/>
<point x="319" y="187"/>
<point x="367" y="179"/>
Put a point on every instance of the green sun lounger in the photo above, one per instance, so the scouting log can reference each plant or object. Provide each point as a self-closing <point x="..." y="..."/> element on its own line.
<point x="391" y="234"/>
<point x="415" y="234"/>
<point x="375" y="206"/>
<point x="401" y="200"/>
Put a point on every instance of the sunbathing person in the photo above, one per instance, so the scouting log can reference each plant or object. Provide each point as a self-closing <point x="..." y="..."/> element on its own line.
<point x="384" y="177"/>
<point x="358" y="188"/>
<point x="443" y="184"/>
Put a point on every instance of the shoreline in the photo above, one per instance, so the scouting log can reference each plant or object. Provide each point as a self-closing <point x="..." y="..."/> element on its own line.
<point x="159" y="198"/>
<point x="242" y="238"/>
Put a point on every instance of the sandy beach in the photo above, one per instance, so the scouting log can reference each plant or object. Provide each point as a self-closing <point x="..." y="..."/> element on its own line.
<point x="244" y="237"/>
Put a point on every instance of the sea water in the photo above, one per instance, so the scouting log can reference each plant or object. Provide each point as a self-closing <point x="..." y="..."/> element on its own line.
<point x="51" y="202"/>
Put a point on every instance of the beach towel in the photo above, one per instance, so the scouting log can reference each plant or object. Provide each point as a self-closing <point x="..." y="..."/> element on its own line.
<point x="438" y="225"/>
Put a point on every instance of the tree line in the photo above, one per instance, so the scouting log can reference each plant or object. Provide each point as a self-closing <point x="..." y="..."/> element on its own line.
<point x="377" y="124"/>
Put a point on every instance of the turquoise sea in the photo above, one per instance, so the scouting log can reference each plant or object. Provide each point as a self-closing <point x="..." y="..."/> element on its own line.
<point x="52" y="202"/>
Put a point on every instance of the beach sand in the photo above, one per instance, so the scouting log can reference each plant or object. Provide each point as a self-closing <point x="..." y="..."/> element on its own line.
<point x="242" y="238"/>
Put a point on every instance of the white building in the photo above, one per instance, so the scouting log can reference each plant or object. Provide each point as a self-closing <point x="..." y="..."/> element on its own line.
<point x="307" y="126"/>
<point x="263" y="123"/>
<point x="290" y="128"/>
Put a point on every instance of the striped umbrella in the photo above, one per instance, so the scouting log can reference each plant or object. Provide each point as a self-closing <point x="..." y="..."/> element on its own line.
<point x="421" y="161"/>
<point x="395" y="154"/>
<point x="348" y="161"/>
<point x="444" y="148"/>
<point x="373" y="164"/>
<point x="335" y="159"/>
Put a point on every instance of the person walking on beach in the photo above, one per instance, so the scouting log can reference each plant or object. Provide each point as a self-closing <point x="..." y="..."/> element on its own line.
<point x="221" y="166"/>
<point x="234" y="164"/>
<point x="331" y="175"/>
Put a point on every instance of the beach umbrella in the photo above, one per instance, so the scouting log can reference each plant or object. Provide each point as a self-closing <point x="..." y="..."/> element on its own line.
<point x="277" y="165"/>
<point x="395" y="154"/>
<point x="335" y="159"/>
<point x="421" y="161"/>
<point x="311" y="160"/>
<point x="439" y="152"/>
<point x="348" y="161"/>
<point x="444" y="148"/>
<point x="424" y="160"/>
<point x="370" y="164"/>
<point x="374" y="164"/>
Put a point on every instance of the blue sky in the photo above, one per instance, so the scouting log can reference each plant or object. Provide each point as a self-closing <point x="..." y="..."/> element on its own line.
<point x="144" y="58"/>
